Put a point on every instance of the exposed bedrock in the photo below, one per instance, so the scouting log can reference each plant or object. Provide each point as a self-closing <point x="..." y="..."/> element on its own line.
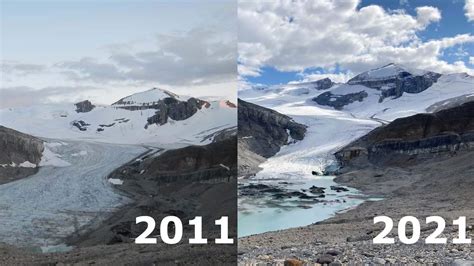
<point x="261" y="133"/>
<point x="84" y="106"/>
<point x="339" y="101"/>
<point x="322" y="84"/>
<point x="18" y="147"/>
<point x="174" y="109"/>
<point x="415" y="137"/>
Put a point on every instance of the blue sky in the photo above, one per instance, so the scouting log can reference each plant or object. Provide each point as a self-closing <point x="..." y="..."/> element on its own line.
<point x="105" y="50"/>
<point x="453" y="22"/>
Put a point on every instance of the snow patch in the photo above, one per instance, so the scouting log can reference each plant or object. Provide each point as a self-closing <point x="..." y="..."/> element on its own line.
<point x="81" y="153"/>
<point x="150" y="96"/>
<point x="27" y="164"/>
<point x="50" y="158"/>
<point x="388" y="71"/>
<point x="225" y="167"/>
<point x="116" y="181"/>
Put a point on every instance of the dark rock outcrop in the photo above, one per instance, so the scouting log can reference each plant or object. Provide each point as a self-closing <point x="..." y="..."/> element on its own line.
<point x="265" y="129"/>
<point x="339" y="101"/>
<point x="323" y="84"/>
<point x="17" y="148"/>
<point x="80" y="124"/>
<point x="84" y="106"/>
<point x="418" y="136"/>
<point x="261" y="133"/>
<point x="175" y="109"/>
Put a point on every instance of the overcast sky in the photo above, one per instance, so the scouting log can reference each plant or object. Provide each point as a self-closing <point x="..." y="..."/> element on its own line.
<point x="288" y="40"/>
<point x="104" y="50"/>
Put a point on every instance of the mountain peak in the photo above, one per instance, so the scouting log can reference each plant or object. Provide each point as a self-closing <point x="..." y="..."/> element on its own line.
<point x="148" y="96"/>
<point x="389" y="71"/>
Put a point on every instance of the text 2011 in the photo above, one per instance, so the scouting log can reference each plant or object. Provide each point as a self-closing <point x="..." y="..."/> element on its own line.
<point x="144" y="238"/>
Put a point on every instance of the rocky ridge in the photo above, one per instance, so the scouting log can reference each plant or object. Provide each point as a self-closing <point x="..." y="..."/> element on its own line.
<point x="168" y="106"/>
<point x="391" y="80"/>
<point x="400" y="80"/>
<point x="261" y="133"/>
<point x="423" y="135"/>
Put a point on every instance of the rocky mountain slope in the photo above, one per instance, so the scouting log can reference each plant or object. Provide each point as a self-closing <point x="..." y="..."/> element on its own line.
<point x="409" y="138"/>
<point x="20" y="156"/>
<point x="393" y="80"/>
<point x="151" y="117"/>
<point x="166" y="104"/>
<point x="261" y="133"/>
<point x="384" y="84"/>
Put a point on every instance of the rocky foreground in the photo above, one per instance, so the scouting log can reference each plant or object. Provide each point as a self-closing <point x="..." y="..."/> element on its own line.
<point x="422" y="167"/>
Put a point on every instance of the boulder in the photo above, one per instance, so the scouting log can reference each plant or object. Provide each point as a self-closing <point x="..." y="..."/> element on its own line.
<point x="325" y="259"/>
<point x="84" y="106"/>
<point x="292" y="262"/>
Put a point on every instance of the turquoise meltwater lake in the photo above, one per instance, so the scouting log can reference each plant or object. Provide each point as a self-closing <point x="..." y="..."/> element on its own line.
<point x="263" y="213"/>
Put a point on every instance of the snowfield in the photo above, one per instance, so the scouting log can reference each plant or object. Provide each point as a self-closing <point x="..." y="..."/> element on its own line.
<point x="148" y="96"/>
<point x="387" y="71"/>
<point x="41" y="210"/>
<point x="121" y="126"/>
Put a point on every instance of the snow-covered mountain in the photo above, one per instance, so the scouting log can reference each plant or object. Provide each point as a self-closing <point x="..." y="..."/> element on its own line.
<point x="153" y="117"/>
<point x="343" y="112"/>
<point x="147" y="97"/>
<point x="387" y="92"/>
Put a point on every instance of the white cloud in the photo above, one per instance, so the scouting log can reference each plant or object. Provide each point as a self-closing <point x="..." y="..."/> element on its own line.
<point x="25" y="96"/>
<point x="20" y="69"/>
<point x="339" y="77"/>
<point x="196" y="57"/>
<point x="469" y="8"/>
<point x="427" y="14"/>
<point x="471" y="60"/>
<point x="296" y="35"/>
